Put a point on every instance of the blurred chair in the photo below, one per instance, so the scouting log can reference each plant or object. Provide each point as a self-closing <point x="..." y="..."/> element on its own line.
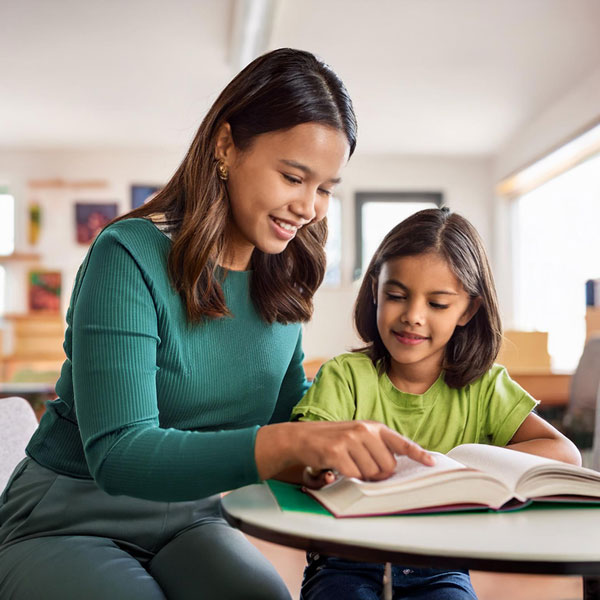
<point x="579" y="422"/>
<point x="17" y="424"/>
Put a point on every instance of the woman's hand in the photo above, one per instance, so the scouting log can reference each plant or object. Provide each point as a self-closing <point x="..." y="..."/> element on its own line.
<point x="362" y="449"/>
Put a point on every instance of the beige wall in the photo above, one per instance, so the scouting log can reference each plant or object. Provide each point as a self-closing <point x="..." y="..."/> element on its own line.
<point x="465" y="182"/>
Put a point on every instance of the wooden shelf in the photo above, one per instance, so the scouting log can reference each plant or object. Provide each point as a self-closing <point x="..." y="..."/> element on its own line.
<point x="20" y="256"/>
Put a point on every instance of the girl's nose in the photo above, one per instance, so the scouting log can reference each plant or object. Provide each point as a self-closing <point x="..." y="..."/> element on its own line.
<point x="413" y="313"/>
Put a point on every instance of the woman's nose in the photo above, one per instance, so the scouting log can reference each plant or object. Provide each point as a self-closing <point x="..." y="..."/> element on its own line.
<point x="305" y="206"/>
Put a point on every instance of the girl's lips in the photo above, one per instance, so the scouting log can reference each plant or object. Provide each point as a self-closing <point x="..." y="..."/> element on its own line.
<point x="409" y="339"/>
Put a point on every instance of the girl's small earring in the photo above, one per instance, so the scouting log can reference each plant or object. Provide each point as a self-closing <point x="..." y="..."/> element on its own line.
<point x="222" y="171"/>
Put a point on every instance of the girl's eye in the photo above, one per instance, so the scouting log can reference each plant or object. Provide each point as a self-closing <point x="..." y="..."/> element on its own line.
<point x="325" y="192"/>
<point x="291" y="179"/>
<point x="395" y="297"/>
<point x="436" y="305"/>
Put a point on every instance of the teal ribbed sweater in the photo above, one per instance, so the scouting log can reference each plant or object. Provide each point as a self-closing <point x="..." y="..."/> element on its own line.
<point x="149" y="405"/>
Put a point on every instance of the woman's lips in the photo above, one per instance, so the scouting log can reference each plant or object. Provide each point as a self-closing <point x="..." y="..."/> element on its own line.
<point x="409" y="339"/>
<point x="283" y="229"/>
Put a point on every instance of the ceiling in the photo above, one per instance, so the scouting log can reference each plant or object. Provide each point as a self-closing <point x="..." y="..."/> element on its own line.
<point x="426" y="76"/>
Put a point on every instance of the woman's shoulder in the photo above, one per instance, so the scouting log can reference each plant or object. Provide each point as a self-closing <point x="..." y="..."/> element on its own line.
<point x="136" y="235"/>
<point x="129" y="229"/>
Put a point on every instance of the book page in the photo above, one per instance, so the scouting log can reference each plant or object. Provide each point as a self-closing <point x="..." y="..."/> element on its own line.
<point x="507" y="465"/>
<point x="408" y="470"/>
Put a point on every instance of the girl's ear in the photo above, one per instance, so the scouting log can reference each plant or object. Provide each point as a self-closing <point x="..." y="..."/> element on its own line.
<point x="473" y="307"/>
<point x="224" y="146"/>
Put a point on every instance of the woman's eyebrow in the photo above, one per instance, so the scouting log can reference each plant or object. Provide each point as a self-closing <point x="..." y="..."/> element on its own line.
<point x="309" y="172"/>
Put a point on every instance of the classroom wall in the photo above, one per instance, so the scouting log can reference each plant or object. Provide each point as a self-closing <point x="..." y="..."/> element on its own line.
<point x="57" y="244"/>
<point x="465" y="182"/>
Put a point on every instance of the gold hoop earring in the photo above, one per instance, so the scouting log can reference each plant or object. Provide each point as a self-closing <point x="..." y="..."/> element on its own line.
<point x="222" y="171"/>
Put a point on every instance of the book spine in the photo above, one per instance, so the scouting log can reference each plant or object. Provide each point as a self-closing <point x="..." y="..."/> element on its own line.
<point x="590" y="292"/>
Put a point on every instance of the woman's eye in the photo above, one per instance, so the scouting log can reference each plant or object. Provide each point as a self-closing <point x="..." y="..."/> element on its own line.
<point x="291" y="179"/>
<point x="325" y="192"/>
<point x="395" y="297"/>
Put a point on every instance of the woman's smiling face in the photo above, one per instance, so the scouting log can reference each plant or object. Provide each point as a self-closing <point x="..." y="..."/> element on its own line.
<point x="278" y="185"/>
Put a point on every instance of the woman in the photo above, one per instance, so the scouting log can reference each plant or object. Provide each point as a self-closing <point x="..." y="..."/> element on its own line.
<point x="184" y="358"/>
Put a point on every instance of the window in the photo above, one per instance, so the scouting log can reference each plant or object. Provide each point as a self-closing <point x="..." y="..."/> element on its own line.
<point x="556" y="249"/>
<point x="378" y="212"/>
<point x="7" y="224"/>
<point x="333" y="249"/>
<point x="7" y="237"/>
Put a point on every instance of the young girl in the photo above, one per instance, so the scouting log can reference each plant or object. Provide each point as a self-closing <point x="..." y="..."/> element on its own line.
<point x="428" y="313"/>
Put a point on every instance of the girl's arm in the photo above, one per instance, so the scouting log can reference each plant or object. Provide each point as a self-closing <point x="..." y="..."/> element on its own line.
<point x="536" y="436"/>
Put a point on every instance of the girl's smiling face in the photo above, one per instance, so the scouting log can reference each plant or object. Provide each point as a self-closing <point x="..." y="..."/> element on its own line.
<point x="420" y="302"/>
<point x="278" y="185"/>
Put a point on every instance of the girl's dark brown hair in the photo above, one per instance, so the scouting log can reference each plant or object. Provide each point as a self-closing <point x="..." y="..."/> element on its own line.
<point x="277" y="91"/>
<point x="472" y="348"/>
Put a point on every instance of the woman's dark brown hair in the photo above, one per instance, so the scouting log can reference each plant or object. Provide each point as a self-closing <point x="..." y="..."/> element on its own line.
<point x="472" y="348"/>
<point x="278" y="90"/>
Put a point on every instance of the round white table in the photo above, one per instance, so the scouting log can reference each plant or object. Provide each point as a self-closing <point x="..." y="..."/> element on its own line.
<point x="551" y="541"/>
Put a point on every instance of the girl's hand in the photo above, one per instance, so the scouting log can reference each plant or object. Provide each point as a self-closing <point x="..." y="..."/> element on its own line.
<point x="362" y="449"/>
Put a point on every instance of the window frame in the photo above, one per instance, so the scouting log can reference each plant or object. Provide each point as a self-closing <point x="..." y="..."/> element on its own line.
<point x="362" y="198"/>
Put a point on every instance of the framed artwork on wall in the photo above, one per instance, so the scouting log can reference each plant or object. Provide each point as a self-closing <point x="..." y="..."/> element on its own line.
<point x="140" y="194"/>
<point x="90" y="218"/>
<point x="44" y="289"/>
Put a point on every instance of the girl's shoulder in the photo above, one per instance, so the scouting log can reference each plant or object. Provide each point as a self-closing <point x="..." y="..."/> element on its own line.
<point x="496" y="380"/>
<point x="350" y="365"/>
<point x="353" y="360"/>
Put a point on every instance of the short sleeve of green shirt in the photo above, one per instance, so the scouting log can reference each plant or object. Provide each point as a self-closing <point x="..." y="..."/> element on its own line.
<point x="507" y="405"/>
<point x="332" y="395"/>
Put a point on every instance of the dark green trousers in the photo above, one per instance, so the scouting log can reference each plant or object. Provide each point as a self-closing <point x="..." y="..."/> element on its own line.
<point x="64" y="538"/>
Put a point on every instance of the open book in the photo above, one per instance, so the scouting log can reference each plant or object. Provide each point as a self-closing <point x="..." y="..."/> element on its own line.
<point x="469" y="476"/>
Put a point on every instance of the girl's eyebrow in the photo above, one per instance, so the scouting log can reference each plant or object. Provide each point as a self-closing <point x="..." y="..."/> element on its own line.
<point x="433" y="293"/>
<point x="307" y="170"/>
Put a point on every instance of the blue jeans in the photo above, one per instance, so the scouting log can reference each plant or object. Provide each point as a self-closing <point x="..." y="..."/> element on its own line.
<point x="327" y="577"/>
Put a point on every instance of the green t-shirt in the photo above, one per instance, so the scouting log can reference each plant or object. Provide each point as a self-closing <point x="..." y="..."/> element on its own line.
<point x="487" y="411"/>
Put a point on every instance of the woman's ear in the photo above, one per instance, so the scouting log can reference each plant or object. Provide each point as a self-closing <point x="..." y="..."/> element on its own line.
<point x="473" y="307"/>
<point x="224" y="146"/>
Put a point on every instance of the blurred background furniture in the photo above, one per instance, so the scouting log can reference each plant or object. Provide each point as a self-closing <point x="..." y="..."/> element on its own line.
<point x="17" y="424"/>
<point x="580" y="416"/>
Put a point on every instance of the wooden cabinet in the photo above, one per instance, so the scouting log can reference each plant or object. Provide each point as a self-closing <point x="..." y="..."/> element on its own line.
<point x="37" y="353"/>
<point x="592" y="321"/>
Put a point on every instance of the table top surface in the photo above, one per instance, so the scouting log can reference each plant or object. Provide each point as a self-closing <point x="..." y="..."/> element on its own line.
<point x="17" y="388"/>
<point x="546" y="540"/>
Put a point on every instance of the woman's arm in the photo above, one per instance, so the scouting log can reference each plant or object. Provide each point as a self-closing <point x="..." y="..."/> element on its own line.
<point x="363" y="449"/>
<point x="536" y="436"/>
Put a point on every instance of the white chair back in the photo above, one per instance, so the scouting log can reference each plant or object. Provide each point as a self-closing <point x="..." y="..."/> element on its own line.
<point x="17" y="424"/>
